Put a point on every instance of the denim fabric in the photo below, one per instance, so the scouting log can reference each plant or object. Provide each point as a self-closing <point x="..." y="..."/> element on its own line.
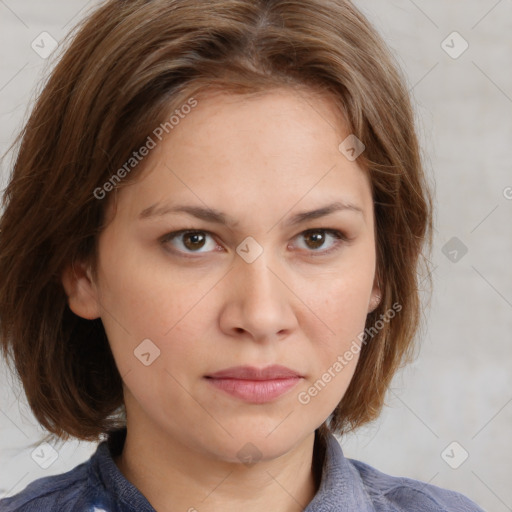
<point x="347" y="485"/>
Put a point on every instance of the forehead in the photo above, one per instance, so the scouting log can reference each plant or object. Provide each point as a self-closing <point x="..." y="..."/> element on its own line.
<point x="273" y="150"/>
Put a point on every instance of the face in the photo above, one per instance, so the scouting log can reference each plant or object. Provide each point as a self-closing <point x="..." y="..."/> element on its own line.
<point x="209" y="263"/>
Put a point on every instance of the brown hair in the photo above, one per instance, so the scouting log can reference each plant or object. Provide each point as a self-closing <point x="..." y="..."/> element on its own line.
<point x="131" y="64"/>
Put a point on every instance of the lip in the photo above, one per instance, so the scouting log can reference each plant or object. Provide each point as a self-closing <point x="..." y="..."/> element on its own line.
<point x="255" y="385"/>
<point x="271" y="372"/>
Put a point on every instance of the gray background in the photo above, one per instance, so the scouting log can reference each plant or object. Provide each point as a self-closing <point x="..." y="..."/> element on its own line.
<point x="460" y="387"/>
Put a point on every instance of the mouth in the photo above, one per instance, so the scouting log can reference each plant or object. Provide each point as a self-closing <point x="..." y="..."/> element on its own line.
<point x="255" y="385"/>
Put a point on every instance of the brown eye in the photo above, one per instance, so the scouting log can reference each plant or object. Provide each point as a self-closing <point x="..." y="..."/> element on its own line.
<point x="315" y="239"/>
<point x="190" y="241"/>
<point x="321" y="241"/>
<point x="193" y="241"/>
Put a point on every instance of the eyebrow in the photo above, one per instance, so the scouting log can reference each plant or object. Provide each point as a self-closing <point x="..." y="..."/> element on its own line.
<point x="217" y="217"/>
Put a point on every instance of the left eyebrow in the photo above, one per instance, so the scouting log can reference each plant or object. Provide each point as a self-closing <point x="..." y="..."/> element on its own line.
<point x="324" y="211"/>
<point x="217" y="217"/>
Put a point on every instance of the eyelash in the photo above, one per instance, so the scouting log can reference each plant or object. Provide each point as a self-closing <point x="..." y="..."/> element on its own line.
<point x="339" y="235"/>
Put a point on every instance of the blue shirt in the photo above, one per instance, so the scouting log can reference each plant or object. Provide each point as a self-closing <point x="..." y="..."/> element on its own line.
<point x="345" y="484"/>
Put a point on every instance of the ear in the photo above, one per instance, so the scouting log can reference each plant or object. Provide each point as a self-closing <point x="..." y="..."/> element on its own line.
<point x="376" y="296"/>
<point x="81" y="290"/>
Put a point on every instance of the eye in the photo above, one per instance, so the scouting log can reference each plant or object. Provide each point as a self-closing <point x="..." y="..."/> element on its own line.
<point x="190" y="241"/>
<point x="317" y="238"/>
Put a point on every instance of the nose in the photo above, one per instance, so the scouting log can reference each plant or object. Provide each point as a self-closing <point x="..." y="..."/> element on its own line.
<point x="259" y="302"/>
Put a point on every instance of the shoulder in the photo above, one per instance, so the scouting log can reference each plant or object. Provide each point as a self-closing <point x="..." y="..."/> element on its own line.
<point x="390" y="493"/>
<point x="65" y="492"/>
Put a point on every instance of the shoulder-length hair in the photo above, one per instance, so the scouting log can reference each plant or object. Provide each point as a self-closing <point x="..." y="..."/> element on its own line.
<point x="127" y="69"/>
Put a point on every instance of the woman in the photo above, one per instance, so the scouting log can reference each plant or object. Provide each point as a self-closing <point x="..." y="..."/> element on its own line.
<point x="210" y="254"/>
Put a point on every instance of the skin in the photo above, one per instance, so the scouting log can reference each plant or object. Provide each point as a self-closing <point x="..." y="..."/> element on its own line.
<point x="260" y="160"/>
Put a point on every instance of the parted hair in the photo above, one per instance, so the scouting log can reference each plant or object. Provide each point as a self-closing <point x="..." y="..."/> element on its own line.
<point x="122" y="73"/>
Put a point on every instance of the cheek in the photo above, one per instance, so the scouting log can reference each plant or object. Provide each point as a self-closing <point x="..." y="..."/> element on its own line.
<point x="343" y="309"/>
<point x="145" y="298"/>
<point x="341" y="303"/>
<point x="169" y="310"/>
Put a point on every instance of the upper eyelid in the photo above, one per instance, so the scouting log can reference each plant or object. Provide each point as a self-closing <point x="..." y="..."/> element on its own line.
<point x="173" y="234"/>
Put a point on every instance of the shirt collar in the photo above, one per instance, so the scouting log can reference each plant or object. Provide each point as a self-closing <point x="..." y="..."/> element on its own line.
<point x="341" y="487"/>
<point x="116" y="485"/>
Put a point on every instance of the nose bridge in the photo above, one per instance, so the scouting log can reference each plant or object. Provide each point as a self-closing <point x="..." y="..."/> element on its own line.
<point x="260" y="300"/>
<point x="259" y="279"/>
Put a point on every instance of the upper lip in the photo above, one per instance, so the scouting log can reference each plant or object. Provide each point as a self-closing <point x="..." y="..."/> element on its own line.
<point x="252" y="373"/>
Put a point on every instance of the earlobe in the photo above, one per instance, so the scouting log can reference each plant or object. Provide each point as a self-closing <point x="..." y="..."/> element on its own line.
<point x="374" y="303"/>
<point x="375" y="297"/>
<point x="81" y="291"/>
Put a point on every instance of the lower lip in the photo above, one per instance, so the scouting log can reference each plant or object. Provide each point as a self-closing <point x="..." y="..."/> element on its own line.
<point x="255" y="391"/>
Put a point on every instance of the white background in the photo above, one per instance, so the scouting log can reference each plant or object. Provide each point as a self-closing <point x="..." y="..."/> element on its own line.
<point x="460" y="387"/>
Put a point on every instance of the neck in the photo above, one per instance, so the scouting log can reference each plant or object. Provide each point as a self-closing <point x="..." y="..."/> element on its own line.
<point x="176" y="477"/>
